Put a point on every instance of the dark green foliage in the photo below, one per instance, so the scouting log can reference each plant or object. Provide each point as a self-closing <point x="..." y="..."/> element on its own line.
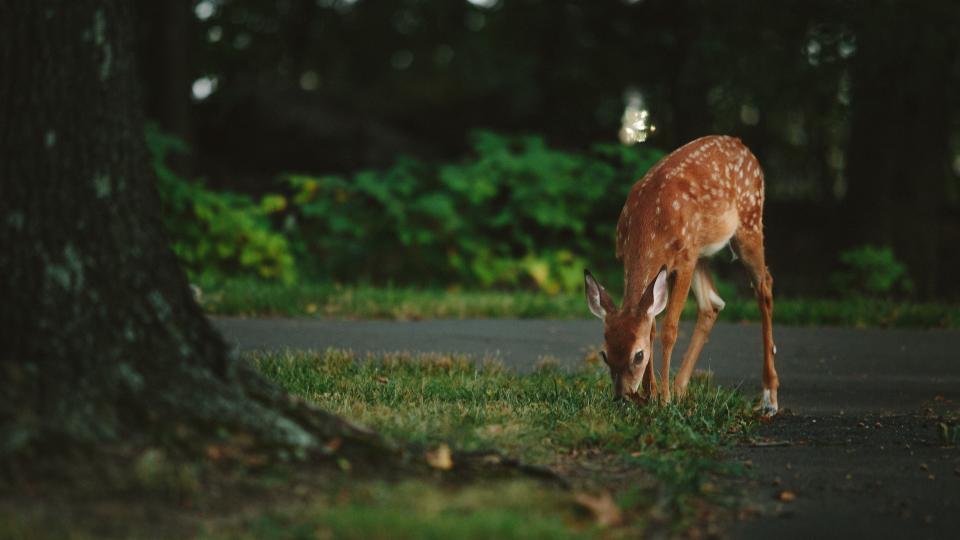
<point x="871" y="271"/>
<point x="516" y="213"/>
<point x="218" y="234"/>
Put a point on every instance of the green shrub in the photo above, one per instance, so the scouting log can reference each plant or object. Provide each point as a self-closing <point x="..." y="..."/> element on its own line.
<point x="870" y="271"/>
<point x="218" y="234"/>
<point x="515" y="213"/>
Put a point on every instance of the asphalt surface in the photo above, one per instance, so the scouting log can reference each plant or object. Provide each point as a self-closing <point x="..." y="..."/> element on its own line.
<point x="855" y="451"/>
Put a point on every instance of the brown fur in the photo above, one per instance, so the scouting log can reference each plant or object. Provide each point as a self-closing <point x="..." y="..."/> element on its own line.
<point x="688" y="205"/>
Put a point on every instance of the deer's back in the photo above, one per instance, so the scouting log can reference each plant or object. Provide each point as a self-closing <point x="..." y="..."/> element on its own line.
<point x="691" y="201"/>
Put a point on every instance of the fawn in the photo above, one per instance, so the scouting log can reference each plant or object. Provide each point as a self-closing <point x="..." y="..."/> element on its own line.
<point x="688" y="206"/>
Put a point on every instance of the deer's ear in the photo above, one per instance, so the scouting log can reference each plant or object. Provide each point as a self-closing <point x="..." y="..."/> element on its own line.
<point x="654" y="299"/>
<point x="598" y="300"/>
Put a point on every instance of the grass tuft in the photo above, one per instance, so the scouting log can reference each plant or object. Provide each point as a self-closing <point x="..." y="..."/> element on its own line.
<point x="662" y="463"/>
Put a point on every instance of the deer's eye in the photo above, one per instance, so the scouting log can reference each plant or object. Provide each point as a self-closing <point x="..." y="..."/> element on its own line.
<point x="637" y="358"/>
<point x="603" y="354"/>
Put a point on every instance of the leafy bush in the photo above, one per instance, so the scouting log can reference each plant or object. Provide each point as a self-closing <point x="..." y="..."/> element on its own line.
<point x="870" y="271"/>
<point x="516" y="213"/>
<point x="218" y="234"/>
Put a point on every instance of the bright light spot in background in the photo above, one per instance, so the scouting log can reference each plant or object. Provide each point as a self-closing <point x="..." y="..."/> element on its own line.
<point x="203" y="87"/>
<point x="214" y="34"/>
<point x="484" y="3"/>
<point x="309" y="80"/>
<point x="846" y="48"/>
<point x="339" y="5"/>
<point x="205" y="9"/>
<point x="635" y="126"/>
<point x="813" y="52"/>
<point x="749" y="115"/>
<point x="956" y="165"/>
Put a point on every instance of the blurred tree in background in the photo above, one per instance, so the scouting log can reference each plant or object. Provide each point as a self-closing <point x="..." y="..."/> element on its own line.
<point x="851" y="107"/>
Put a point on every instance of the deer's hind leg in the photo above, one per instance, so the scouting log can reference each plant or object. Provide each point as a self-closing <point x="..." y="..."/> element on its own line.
<point x="709" y="305"/>
<point x="749" y="243"/>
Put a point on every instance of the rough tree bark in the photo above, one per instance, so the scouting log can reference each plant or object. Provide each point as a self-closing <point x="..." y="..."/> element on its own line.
<point x="102" y="342"/>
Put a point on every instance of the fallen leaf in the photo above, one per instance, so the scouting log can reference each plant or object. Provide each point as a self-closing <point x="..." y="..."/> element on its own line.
<point x="334" y="444"/>
<point x="214" y="452"/>
<point x="787" y="496"/>
<point x="440" y="458"/>
<point x="381" y="379"/>
<point x="603" y="508"/>
<point x="255" y="460"/>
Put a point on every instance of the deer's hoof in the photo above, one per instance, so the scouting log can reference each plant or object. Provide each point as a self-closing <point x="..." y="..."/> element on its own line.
<point x="768" y="404"/>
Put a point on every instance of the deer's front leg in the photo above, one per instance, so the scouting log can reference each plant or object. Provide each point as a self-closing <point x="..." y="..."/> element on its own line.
<point x="671" y="321"/>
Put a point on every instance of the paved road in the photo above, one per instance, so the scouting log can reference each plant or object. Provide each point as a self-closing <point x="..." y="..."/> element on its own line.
<point x="822" y="370"/>
<point x="857" y="442"/>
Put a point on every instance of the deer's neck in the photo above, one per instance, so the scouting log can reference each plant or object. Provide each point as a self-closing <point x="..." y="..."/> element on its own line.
<point x="638" y="273"/>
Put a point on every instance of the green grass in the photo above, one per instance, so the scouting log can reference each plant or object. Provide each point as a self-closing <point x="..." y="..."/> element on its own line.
<point x="410" y="509"/>
<point x="430" y="399"/>
<point x="662" y="463"/>
<point x="633" y="471"/>
<point x="252" y="298"/>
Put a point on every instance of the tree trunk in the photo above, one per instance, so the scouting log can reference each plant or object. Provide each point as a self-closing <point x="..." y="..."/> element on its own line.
<point x="102" y="339"/>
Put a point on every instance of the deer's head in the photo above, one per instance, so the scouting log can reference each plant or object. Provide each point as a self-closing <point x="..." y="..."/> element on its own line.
<point x="626" y="332"/>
